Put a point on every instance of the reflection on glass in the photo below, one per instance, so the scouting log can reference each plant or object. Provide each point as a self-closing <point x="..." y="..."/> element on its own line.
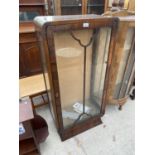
<point x="69" y="7"/>
<point x="46" y="77"/>
<point x="95" y="7"/>
<point x="124" y="70"/>
<point x="27" y="16"/>
<point x="81" y="57"/>
<point x="110" y="2"/>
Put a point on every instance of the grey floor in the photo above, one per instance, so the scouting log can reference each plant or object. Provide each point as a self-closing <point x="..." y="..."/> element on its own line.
<point x="114" y="137"/>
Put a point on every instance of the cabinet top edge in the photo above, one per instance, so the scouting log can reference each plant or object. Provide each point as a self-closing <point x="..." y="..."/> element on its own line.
<point x="41" y="21"/>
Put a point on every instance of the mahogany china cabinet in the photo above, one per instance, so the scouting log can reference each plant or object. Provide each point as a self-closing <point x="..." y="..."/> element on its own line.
<point x="76" y="55"/>
<point x="29" y="55"/>
<point x="122" y="71"/>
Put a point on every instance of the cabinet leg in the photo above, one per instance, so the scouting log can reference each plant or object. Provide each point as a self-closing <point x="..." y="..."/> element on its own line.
<point x="120" y="107"/>
<point x="132" y="96"/>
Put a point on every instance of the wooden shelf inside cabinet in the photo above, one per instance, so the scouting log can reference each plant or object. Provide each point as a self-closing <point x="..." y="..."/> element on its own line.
<point x="63" y="6"/>
<point x="35" y="129"/>
<point x="95" y="5"/>
<point x="28" y="133"/>
<point x="27" y="140"/>
<point x="26" y="146"/>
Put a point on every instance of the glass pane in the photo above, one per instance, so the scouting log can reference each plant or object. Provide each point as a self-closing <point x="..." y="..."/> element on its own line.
<point x="27" y="16"/>
<point x="69" y="7"/>
<point x="95" y="7"/>
<point x="127" y="74"/>
<point x="81" y="72"/>
<point x="126" y="3"/>
<point x="111" y="1"/>
<point x="46" y="79"/>
<point x="123" y="63"/>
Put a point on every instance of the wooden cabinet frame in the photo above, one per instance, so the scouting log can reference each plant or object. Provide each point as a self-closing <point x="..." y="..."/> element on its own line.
<point x="127" y="20"/>
<point x="56" y="24"/>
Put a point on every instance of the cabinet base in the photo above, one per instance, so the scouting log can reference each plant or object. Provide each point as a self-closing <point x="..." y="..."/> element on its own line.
<point x="80" y="127"/>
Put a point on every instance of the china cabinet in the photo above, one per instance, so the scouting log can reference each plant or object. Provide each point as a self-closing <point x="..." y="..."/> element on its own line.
<point x="76" y="55"/>
<point x="122" y="72"/>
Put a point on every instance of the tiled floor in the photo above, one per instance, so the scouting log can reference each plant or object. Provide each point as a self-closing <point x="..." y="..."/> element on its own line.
<point x="114" y="137"/>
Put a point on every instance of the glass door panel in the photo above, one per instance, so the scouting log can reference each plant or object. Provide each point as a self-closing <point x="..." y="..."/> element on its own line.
<point x="95" y="7"/>
<point x="124" y="70"/>
<point x="27" y="15"/>
<point x="71" y="7"/>
<point x="81" y="62"/>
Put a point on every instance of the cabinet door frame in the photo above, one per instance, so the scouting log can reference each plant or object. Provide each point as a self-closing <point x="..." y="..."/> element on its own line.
<point x="53" y="71"/>
<point x="125" y="24"/>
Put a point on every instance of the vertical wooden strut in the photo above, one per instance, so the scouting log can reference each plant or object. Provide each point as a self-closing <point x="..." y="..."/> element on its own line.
<point x="84" y="70"/>
<point x="84" y="79"/>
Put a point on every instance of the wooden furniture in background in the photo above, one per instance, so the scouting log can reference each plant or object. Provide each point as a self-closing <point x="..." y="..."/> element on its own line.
<point x="95" y="7"/>
<point x="29" y="56"/>
<point x="131" y="6"/>
<point x="28" y="9"/>
<point x="122" y="72"/>
<point x="34" y="87"/>
<point x="77" y="7"/>
<point x="36" y="129"/>
<point x="51" y="7"/>
<point x="122" y="4"/>
<point x="76" y="54"/>
<point x="27" y="141"/>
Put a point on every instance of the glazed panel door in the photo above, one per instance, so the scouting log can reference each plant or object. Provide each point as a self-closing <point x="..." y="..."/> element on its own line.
<point x="126" y="69"/>
<point x="78" y="59"/>
<point x="95" y="7"/>
<point x="73" y="7"/>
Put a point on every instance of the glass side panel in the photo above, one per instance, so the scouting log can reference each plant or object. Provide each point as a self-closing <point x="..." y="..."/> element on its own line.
<point x="28" y="16"/>
<point x="127" y="46"/>
<point x="127" y="74"/>
<point x="69" y="7"/>
<point x="95" y="7"/>
<point x="46" y="78"/>
<point x="81" y="72"/>
<point x="100" y="57"/>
